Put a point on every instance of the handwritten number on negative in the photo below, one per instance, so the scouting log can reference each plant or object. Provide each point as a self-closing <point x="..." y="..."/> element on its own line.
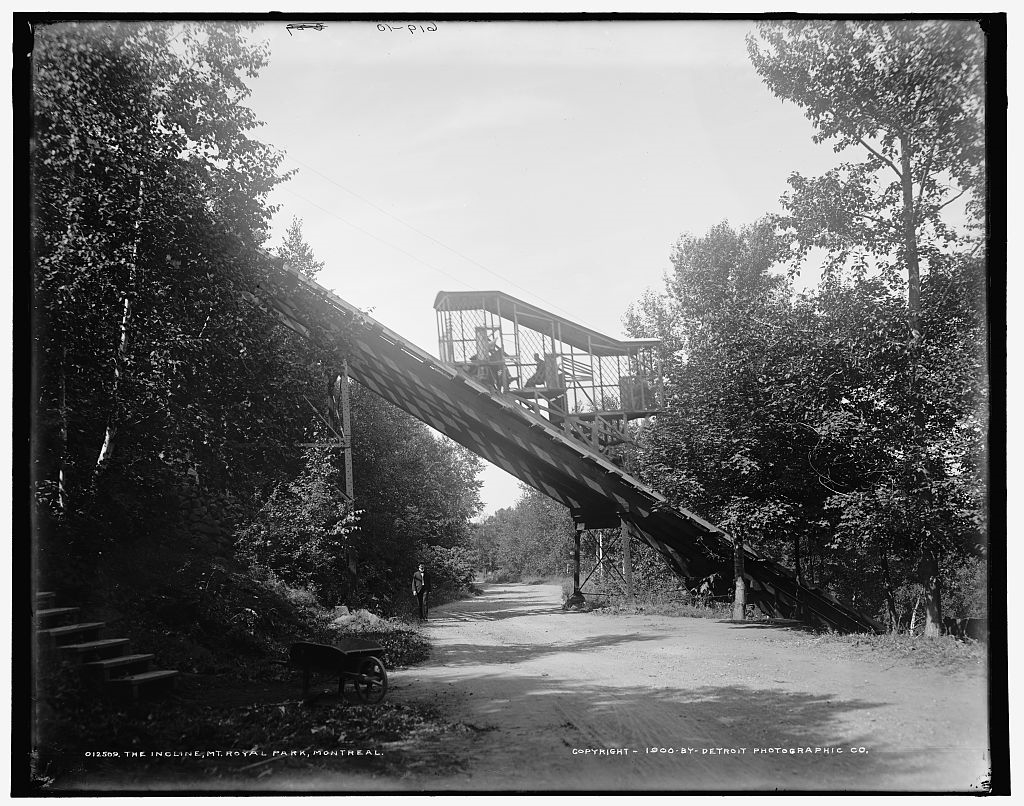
<point x="302" y="26"/>
<point x="411" y="28"/>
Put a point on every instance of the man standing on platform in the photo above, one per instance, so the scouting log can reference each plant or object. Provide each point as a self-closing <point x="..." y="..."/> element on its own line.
<point x="421" y="590"/>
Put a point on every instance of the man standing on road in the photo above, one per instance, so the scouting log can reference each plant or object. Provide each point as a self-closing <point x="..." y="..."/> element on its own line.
<point x="421" y="589"/>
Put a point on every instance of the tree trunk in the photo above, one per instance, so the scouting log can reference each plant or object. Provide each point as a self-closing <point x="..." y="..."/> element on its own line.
<point x="120" y="359"/>
<point x="928" y="574"/>
<point x="796" y="559"/>
<point x="913" y="615"/>
<point x="890" y="598"/>
<point x="121" y="355"/>
<point x="739" y="602"/>
<point x="910" y="245"/>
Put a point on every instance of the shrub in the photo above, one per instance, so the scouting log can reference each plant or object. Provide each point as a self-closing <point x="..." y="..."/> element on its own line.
<point x="450" y="572"/>
<point x="402" y="646"/>
<point x="303" y="529"/>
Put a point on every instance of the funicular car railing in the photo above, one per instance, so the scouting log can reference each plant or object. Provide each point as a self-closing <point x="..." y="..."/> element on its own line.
<point x="586" y="383"/>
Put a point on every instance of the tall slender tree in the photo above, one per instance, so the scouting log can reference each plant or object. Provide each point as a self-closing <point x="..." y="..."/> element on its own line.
<point x="910" y="97"/>
<point x="733" y="438"/>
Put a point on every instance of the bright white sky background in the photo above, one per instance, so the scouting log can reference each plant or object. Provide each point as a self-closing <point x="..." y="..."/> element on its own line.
<point x="556" y="161"/>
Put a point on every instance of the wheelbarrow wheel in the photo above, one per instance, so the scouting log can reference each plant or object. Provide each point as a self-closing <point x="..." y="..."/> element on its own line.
<point x="372" y="682"/>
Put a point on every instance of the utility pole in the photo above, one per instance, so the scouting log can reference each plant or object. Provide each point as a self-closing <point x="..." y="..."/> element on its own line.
<point x="346" y="429"/>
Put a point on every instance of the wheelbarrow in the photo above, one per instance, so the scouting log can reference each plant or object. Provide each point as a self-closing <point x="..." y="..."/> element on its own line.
<point x="352" y="659"/>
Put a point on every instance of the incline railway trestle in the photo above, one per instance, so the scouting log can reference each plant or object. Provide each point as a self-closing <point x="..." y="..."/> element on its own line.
<point x="485" y="416"/>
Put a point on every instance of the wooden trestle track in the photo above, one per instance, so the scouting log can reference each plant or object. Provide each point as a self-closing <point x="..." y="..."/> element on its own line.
<point x="597" y="492"/>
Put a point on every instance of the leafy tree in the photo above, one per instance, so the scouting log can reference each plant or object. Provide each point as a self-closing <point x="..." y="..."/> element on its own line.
<point x="910" y="96"/>
<point x="416" y="490"/>
<point x="654" y="316"/>
<point x="303" y="532"/>
<point x="531" y="539"/>
<point x="151" y="366"/>
<point x="155" y="370"/>
<point x="782" y="417"/>
<point x="297" y="253"/>
<point x="486" y="540"/>
<point x="149" y="202"/>
<point x="731" y="442"/>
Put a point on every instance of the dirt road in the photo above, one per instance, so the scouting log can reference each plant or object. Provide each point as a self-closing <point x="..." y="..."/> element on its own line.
<point x="547" y="700"/>
<point x="545" y="686"/>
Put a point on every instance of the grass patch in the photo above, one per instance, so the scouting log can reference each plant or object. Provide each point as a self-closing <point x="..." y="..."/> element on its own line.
<point x="549" y="580"/>
<point x="943" y="652"/>
<point x="668" y="608"/>
<point x="674" y="604"/>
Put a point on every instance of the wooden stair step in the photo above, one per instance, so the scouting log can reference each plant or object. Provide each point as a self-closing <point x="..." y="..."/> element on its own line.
<point x="119" y="666"/>
<point x="96" y="650"/>
<point x="69" y="632"/>
<point x="55" y="614"/>
<point x="45" y="597"/>
<point x="135" y="684"/>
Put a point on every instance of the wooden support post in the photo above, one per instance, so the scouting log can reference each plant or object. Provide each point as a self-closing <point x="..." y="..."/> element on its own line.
<point x="576" y="600"/>
<point x="346" y="427"/>
<point x="627" y="559"/>
<point x="576" y="566"/>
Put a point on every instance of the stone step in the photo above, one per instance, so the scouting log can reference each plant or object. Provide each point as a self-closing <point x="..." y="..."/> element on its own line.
<point x="72" y="633"/>
<point x="95" y="650"/>
<point x="111" y="668"/>
<point x="54" y="616"/>
<point x="138" y="685"/>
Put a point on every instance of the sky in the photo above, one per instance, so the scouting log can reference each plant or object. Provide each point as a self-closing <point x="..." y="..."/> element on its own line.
<point x="556" y="161"/>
